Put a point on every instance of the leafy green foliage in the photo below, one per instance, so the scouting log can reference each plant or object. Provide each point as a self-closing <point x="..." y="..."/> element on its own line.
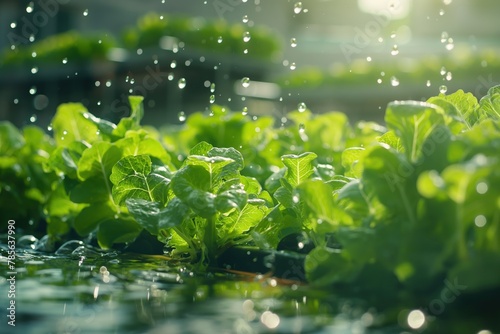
<point x="412" y="203"/>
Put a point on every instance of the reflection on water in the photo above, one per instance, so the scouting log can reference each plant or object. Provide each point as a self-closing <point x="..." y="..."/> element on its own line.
<point x="84" y="290"/>
<point x="81" y="289"/>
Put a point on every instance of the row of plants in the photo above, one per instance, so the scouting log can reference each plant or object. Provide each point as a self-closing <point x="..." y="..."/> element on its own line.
<point x="433" y="70"/>
<point x="194" y="33"/>
<point x="388" y="210"/>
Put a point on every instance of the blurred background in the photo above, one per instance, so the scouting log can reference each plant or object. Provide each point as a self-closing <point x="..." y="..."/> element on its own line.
<point x="262" y="57"/>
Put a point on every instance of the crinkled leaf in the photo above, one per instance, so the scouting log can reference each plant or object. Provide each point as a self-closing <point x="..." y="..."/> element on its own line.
<point x="413" y="122"/>
<point x="213" y="165"/>
<point x="99" y="160"/>
<point x="191" y="184"/>
<point x="173" y="214"/>
<point x="350" y="161"/>
<point x="136" y="177"/>
<point x="461" y="106"/>
<point x="299" y="167"/>
<point x="238" y="222"/>
<point x="139" y="143"/>
<point x="70" y="124"/>
<point x="231" y="199"/>
<point x="201" y="148"/>
<point x="146" y="213"/>
<point x="489" y="104"/>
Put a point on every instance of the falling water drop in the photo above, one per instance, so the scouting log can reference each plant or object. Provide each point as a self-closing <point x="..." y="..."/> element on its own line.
<point x="65" y="61"/>
<point x="212" y="99"/>
<point x="443" y="89"/>
<point x="428" y="83"/>
<point x="245" y="82"/>
<point x="449" y="76"/>
<point x="293" y="42"/>
<point x="450" y="45"/>
<point x="244" y="112"/>
<point x="444" y="36"/>
<point x="212" y="88"/>
<point x="181" y="83"/>
<point x="301" y="107"/>
<point x="173" y="64"/>
<point x="181" y="116"/>
<point x="395" y="50"/>
<point x="245" y="19"/>
<point x="246" y="36"/>
<point x="34" y="70"/>
<point x="297" y="8"/>
<point x="394" y="81"/>
<point x="220" y="39"/>
<point x="293" y="66"/>
<point x="86" y="12"/>
<point x="30" y="7"/>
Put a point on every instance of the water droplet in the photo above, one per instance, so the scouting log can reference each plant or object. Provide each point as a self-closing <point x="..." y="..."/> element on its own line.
<point x="482" y="188"/>
<point x="480" y="221"/>
<point x="441" y="12"/>
<point x="245" y="82"/>
<point x="173" y="64"/>
<point x="40" y="102"/>
<point x="450" y="45"/>
<point x="444" y="36"/>
<point x="293" y="66"/>
<point x="368" y="59"/>
<point x="379" y="81"/>
<point x="416" y="319"/>
<point x="212" y="88"/>
<point x="65" y="61"/>
<point x="246" y="36"/>
<point x="33" y="118"/>
<point x="245" y="19"/>
<point x="13" y="25"/>
<point x="212" y="98"/>
<point x="108" y="83"/>
<point x="132" y="81"/>
<point x="395" y="50"/>
<point x="449" y="76"/>
<point x="30" y="7"/>
<point x="428" y="83"/>
<point x="301" y="107"/>
<point x="34" y="70"/>
<point x="447" y="2"/>
<point x="443" y="89"/>
<point x="297" y="8"/>
<point x="442" y="71"/>
<point x="170" y="76"/>
<point x="181" y="83"/>
<point x="394" y="81"/>
<point x="33" y="90"/>
<point x="86" y="12"/>
<point x="293" y="42"/>
<point x="181" y="116"/>
<point x="220" y="39"/>
<point x="244" y="112"/>
<point x="295" y="199"/>
<point x="97" y="83"/>
<point x="33" y="54"/>
<point x="393" y="34"/>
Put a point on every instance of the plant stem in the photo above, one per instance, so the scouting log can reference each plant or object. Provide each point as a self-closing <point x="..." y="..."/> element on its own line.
<point x="210" y="240"/>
